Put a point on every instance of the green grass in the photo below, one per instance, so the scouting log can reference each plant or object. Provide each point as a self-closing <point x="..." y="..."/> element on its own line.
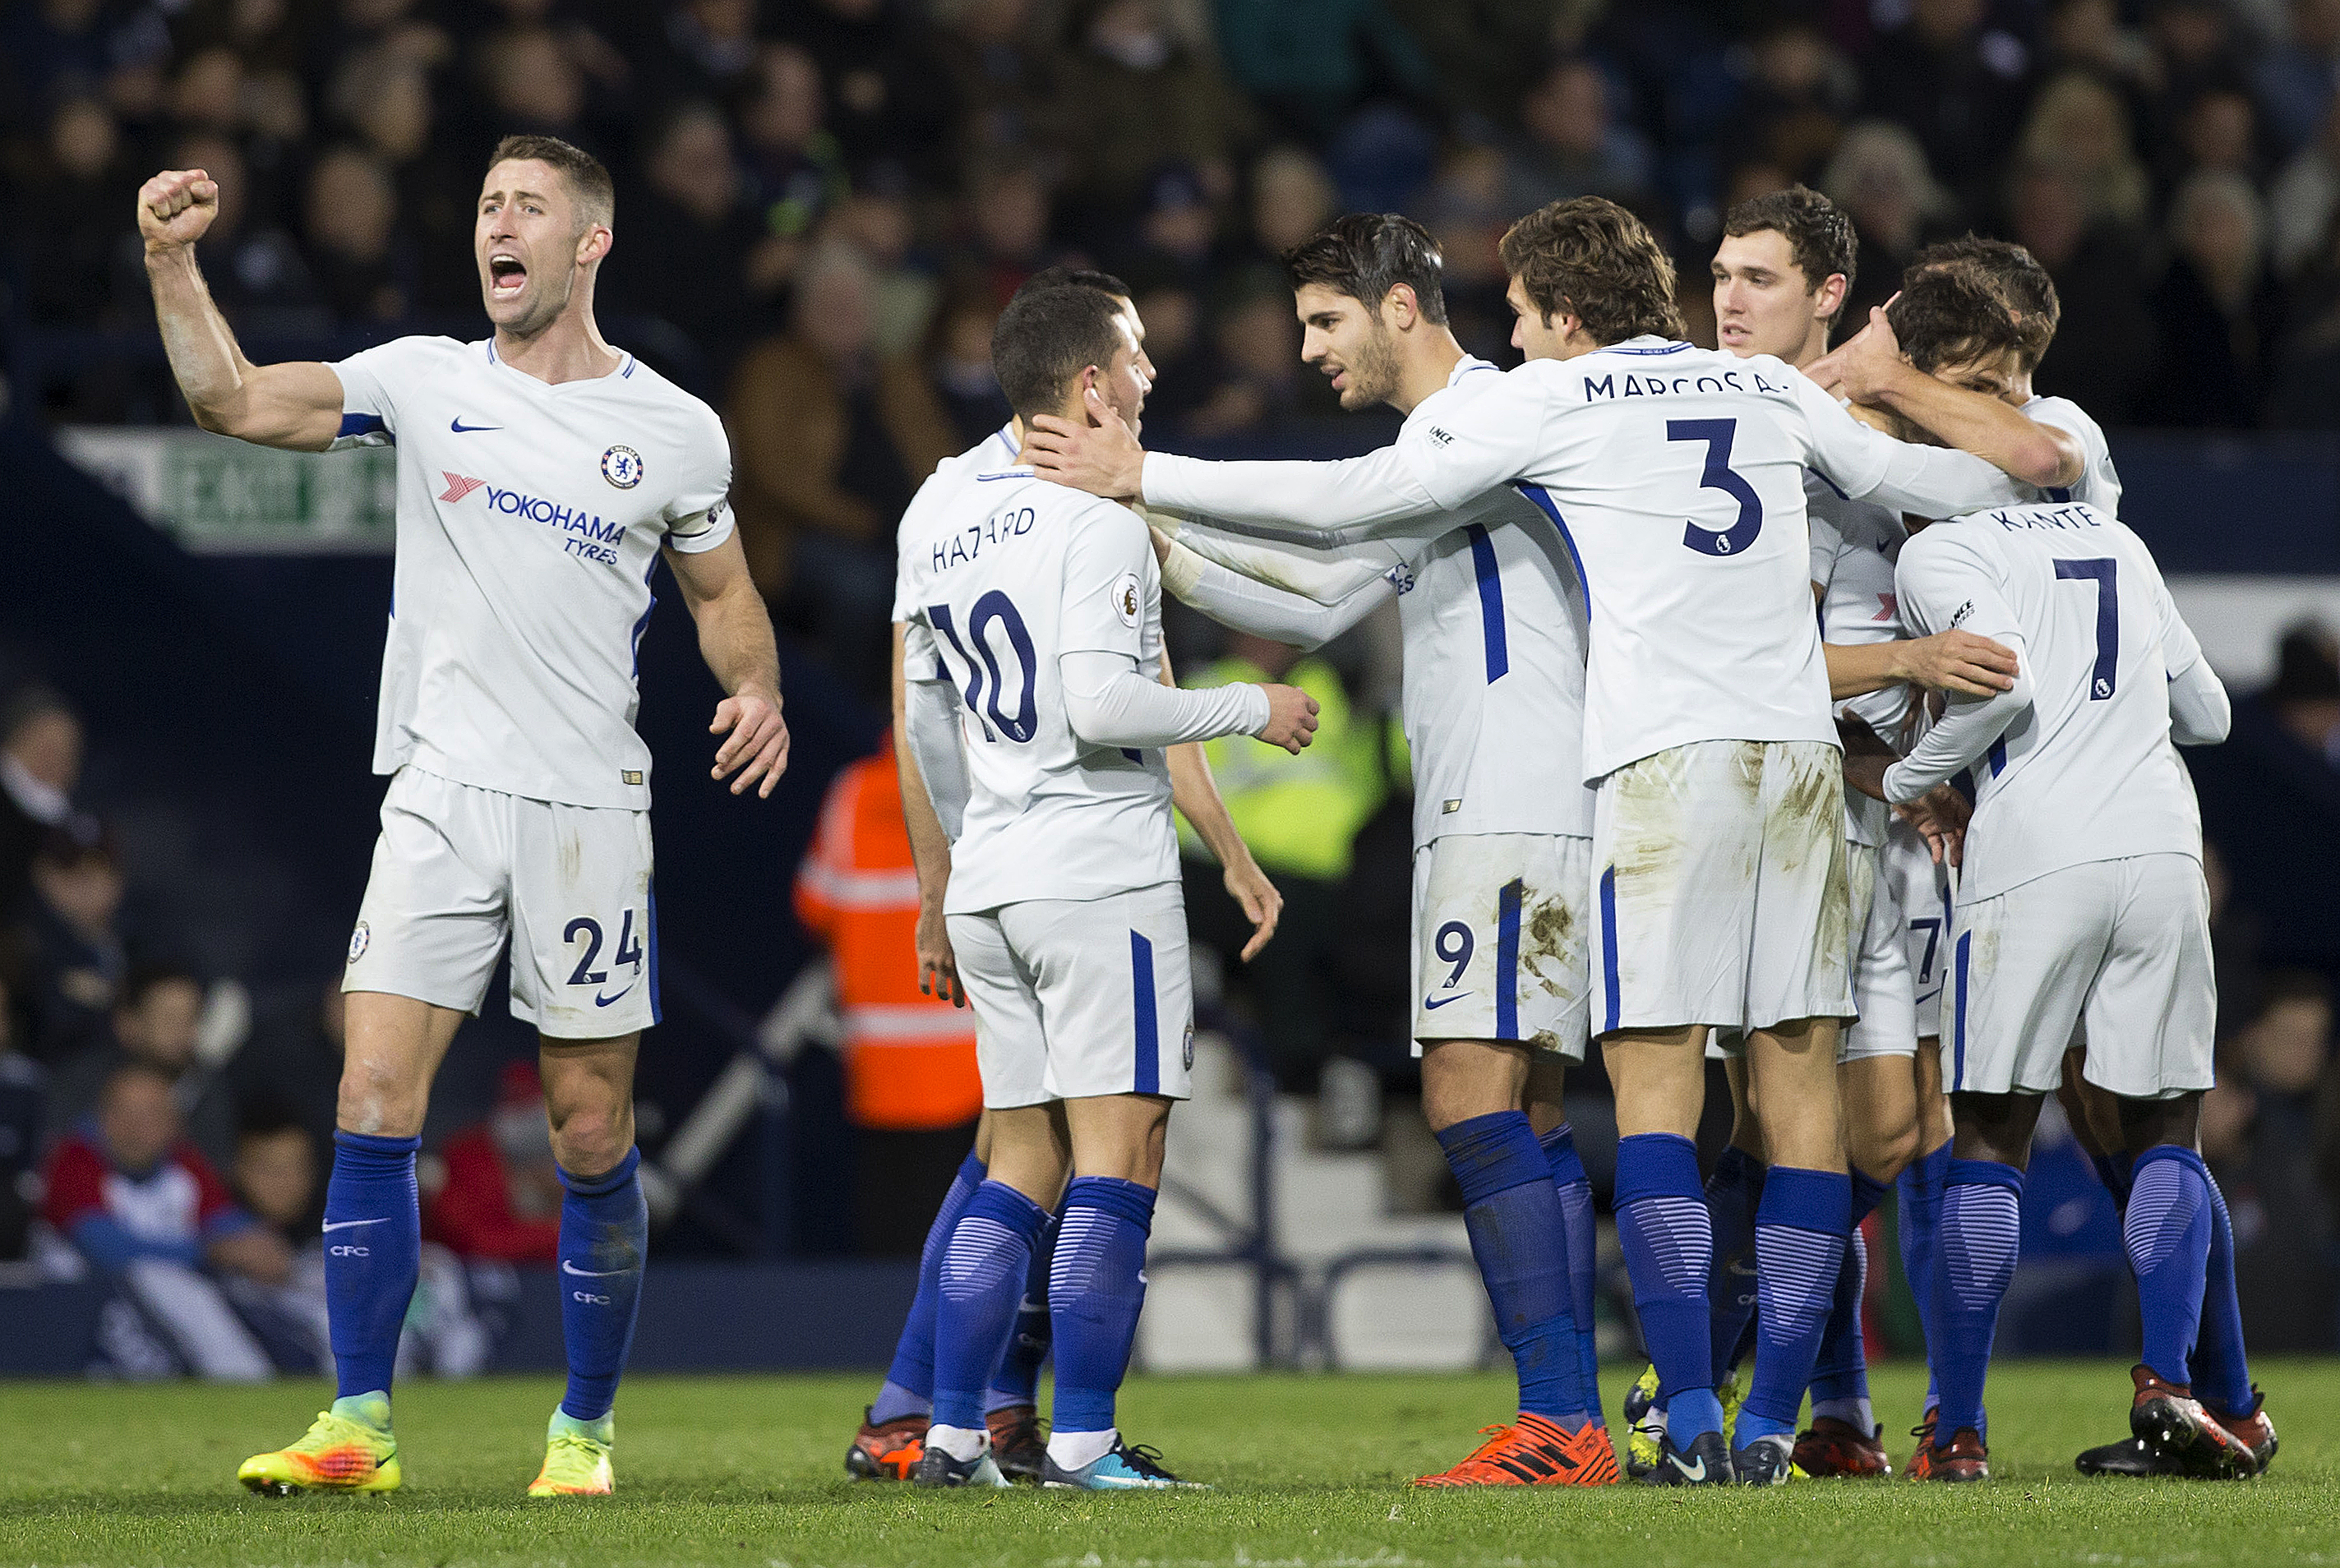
<point x="1310" y="1474"/>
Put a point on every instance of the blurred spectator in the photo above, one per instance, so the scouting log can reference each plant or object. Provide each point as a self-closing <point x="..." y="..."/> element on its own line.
<point x="275" y="1173"/>
<point x="154" y="1021"/>
<point x="2304" y="695"/>
<point x="2306" y="390"/>
<point x="831" y="439"/>
<point x="499" y="1196"/>
<point x="1486" y="53"/>
<point x="1878" y="176"/>
<point x="911" y="1090"/>
<point x="710" y="47"/>
<point x="1799" y="93"/>
<point x="2218" y="308"/>
<point x="295" y="1062"/>
<point x="382" y="96"/>
<point x="1298" y="814"/>
<point x="2296" y="77"/>
<point x="2105" y="342"/>
<point x="253" y="268"/>
<point x="1307" y="63"/>
<point x="2079" y="125"/>
<point x="795" y="171"/>
<point x="1147" y="100"/>
<point x="690" y="253"/>
<point x="876" y="221"/>
<point x="355" y="250"/>
<point x="148" y="1210"/>
<point x="960" y="362"/>
<point x="2217" y="130"/>
<point x="2305" y="197"/>
<point x="51" y="50"/>
<point x="1258" y="378"/>
<point x="1571" y="144"/>
<point x="1177" y="229"/>
<point x="889" y="97"/>
<point x="21" y="1088"/>
<point x="77" y="961"/>
<point x="1465" y="210"/>
<point x="76" y="249"/>
<point x="1956" y="83"/>
<point x="2089" y="35"/>
<point x="1291" y="200"/>
<point x="534" y="88"/>
<point x="1008" y="223"/>
<point x="2195" y="41"/>
<point x="40" y="765"/>
<point x="1009" y="73"/>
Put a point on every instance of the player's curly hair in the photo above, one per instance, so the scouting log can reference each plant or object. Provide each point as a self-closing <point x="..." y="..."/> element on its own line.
<point x="1364" y="256"/>
<point x="2029" y="291"/>
<point x="1592" y="259"/>
<point x="1953" y="313"/>
<point x="1819" y="234"/>
<point x="588" y="182"/>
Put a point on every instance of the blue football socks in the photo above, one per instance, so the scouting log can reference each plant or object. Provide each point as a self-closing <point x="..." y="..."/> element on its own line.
<point x="1584" y="1242"/>
<point x="1017" y="1380"/>
<point x="2167" y="1233"/>
<point x="1800" y="1231"/>
<point x="1840" y="1370"/>
<point x="1518" y="1235"/>
<point x="1981" y="1231"/>
<point x="909" y="1387"/>
<point x="1668" y="1243"/>
<point x="2222" y="1373"/>
<point x="1919" y="1222"/>
<point x="1096" y="1291"/>
<point x="605" y="1235"/>
<point x="1733" y="1193"/>
<point x="978" y="1286"/>
<point x="373" y="1255"/>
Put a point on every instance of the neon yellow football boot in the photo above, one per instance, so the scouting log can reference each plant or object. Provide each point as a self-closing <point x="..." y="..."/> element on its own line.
<point x="1645" y="1425"/>
<point x="576" y="1458"/>
<point x="348" y="1448"/>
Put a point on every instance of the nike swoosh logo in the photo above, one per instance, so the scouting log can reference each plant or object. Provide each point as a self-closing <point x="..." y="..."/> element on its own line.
<point x="346" y="1224"/>
<point x="601" y="1001"/>
<point x="459" y="428"/>
<point x="1432" y="1003"/>
<point x="1693" y="1473"/>
<point x="568" y="1267"/>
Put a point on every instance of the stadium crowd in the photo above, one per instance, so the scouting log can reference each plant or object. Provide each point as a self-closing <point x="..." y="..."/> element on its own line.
<point x="823" y="205"/>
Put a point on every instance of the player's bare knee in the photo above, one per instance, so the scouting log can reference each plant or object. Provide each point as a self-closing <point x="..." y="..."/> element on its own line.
<point x="1465" y="1079"/>
<point x="380" y="1098"/>
<point x="2175" y="1120"/>
<point x="1995" y="1128"/>
<point x="1881" y="1153"/>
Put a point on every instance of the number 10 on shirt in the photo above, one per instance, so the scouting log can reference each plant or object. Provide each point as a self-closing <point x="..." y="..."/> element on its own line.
<point x="994" y="608"/>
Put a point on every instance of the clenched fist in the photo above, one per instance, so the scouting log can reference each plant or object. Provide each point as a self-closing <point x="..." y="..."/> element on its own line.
<point x="174" y="209"/>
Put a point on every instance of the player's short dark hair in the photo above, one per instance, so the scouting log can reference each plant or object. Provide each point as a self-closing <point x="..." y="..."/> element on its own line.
<point x="1951" y="314"/>
<point x="2030" y="291"/>
<point x="1819" y="234"/>
<point x="145" y="980"/>
<point x="1364" y="256"/>
<point x="1059" y="277"/>
<point x="588" y="182"/>
<point x="1592" y="259"/>
<point x="1046" y="337"/>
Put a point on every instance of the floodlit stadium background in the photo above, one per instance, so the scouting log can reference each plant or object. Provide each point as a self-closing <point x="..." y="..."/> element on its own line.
<point x="821" y="206"/>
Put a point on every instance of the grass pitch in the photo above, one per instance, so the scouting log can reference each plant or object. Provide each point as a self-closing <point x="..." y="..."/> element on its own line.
<point x="1309" y="1471"/>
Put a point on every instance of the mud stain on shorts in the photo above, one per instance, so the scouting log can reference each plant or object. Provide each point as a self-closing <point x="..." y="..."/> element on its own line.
<point x="1551" y="948"/>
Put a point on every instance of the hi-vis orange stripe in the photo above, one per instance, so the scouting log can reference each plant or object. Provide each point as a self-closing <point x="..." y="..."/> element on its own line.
<point x="909" y="1060"/>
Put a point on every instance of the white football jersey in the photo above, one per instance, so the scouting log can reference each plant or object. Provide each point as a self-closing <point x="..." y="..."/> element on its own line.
<point x="1855" y="544"/>
<point x="1675" y="477"/>
<point x="2099" y="482"/>
<point x="2087" y="773"/>
<point x="1002" y="572"/>
<point x="529" y="518"/>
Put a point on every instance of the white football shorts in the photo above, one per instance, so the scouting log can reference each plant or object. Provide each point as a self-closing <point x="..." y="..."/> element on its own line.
<point x="457" y="869"/>
<point x="2121" y="947"/>
<point x="1502" y="948"/>
<point x="1721" y="896"/>
<point x="1920" y="893"/>
<point x="1076" y="997"/>
<point x="1883" y="987"/>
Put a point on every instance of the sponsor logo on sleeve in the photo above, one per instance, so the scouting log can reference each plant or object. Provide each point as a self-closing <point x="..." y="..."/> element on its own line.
<point x="1127" y="602"/>
<point x="358" y="940"/>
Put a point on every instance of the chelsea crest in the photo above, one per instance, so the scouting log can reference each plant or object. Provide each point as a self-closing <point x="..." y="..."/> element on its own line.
<point x="623" y="466"/>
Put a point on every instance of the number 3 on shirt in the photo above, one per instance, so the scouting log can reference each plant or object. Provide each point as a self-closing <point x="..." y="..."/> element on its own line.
<point x="994" y="607"/>
<point x="1718" y="435"/>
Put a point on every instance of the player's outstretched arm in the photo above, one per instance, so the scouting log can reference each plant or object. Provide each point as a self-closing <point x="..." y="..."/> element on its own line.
<point x="1262" y="609"/>
<point x="297" y="405"/>
<point x="734" y="638"/>
<point x="1869" y="465"/>
<point x="1958" y="662"/>
<point x="1197" y="795"/>
<point x="922" y="746"/>
<point x="1868" y="368"/>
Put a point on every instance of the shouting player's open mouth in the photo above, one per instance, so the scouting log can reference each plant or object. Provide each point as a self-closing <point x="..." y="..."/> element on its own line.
<point x="507" y="275"/>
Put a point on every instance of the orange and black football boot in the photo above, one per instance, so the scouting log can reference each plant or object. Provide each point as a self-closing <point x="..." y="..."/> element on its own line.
<point x="2166" y="1418"/>
<point x="888" y="1451"/>
<point x="1833" y="1447"/>
<point x="1921" y="1463"/>
<point x="1535" y="1452"/>
<point x="1962" y="1458"/>
<point x="2253" y="1431"/>
<point x="1017" y="1445"/>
